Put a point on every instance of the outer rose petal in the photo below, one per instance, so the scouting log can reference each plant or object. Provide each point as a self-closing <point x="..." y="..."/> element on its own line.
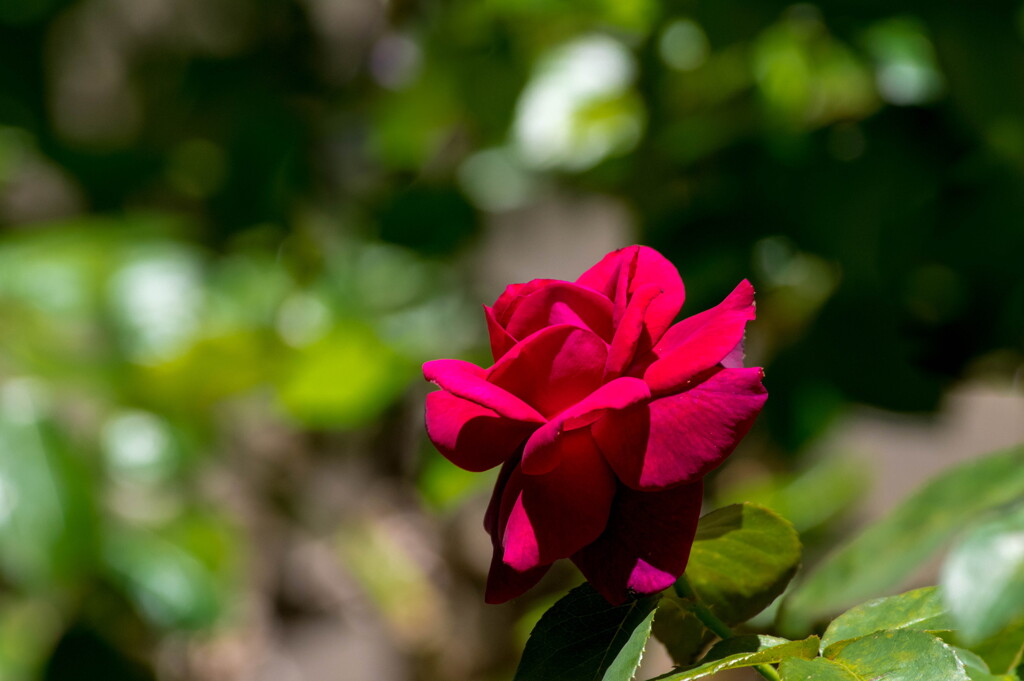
<point x="647" y="542"/>
<point x="680" y="438"/>
<point x="622" y="273"/>
<point x="700" y="342"/>
<point x="472" y="437"/>
<point x="552" y="369"/>
<point x="541" y="452"/>
<point x="504" y="583"/>
<point x="558" y="513"/>
<point x="469" y="382"/>
<point x="561" y="302"/>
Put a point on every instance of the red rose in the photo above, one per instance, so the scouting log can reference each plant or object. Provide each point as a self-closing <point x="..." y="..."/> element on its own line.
<point x="606" y="418"/>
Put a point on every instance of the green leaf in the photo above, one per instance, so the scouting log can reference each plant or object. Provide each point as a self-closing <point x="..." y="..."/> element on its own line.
<point x="48" y="532"/>
<point x="976" y="667"/>
<point x="180" y="578"/>
<point x="679" y="630"/>
<point x="903" y="655"/>
<point x="346" y="379"/>
<point x="920" y="609"/>
<point x="742" y="559"/>
<point x="818" y="669"/>
<point x="887" y="552"/>
<point x="745" y="651"/>
<point x="1005" y="650"/>
<point x="983" y="577"/>
<point x="583" y="638"/>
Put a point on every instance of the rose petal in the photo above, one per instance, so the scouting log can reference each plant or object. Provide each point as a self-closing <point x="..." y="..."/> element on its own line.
<point x="560" y="512"/>
<point x="541" y="452"/>
<point x="552" y="369"/>
<point x="472" y="437"/>
<point x="653" y="268"/>
<point x="700" y="342"/>
<point x="680" y="438"/>
<point x="501" y="341"/>
<point x="469" y="382"/>
<point x="503" y="582"/>
<point x="604" y="276"/>
<point x="561" y="302"/>
<point x="506" y="303"/>
<point x="734" y="360"/>
<point x="631" y="335"/>
<point x="494" y="517"/>
<point x="646" y="544"/>
<point x="622" y="273"/>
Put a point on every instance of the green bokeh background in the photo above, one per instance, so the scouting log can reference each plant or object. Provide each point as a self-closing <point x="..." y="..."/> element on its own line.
<point x="231" y="230"/>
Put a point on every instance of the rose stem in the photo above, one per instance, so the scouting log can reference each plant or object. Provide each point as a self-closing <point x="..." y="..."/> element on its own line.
<point x="717" y="626"/>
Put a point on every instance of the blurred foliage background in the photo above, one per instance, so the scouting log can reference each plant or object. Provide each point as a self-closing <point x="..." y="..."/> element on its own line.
<point x="233" y="229"/>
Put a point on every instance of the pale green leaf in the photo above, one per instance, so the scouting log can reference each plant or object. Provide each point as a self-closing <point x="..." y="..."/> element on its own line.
<point x="976" y="667"/>
<point x="920" y="609"/>
<point x="902" y="655"/>
<point x="886" y="553"/>
<point x="818" y="669"/>
<point x="983" y="577"/>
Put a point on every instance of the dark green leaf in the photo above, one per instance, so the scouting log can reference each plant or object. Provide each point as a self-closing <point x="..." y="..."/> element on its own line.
<point x="742" y="559"/>
<point x="583" y="638"/>
<point x="745" y="651"/>
<point x="679" y="630"/>
<point x="983" y="577"/>
<point x="886" y="553"/>
<point x="920" y="609"/>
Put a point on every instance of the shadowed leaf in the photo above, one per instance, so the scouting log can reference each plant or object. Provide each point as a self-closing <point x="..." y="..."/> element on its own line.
<point x="583" y="638"/>
<point x="742" y="559"/>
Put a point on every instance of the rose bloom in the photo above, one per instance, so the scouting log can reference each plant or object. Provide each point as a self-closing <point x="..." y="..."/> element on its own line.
<point x="604" y="416"/>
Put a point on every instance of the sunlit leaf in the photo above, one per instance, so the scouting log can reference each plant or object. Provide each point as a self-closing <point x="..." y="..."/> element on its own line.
<point x="818" y="669"/>
<point x="903" y="655"/>
<point x="921" y="609"/>
<point x="746" y="651"/>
